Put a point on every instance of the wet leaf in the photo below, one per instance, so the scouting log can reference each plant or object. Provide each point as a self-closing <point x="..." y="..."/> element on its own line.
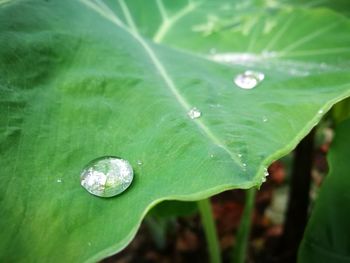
<point x="85" y="79"/>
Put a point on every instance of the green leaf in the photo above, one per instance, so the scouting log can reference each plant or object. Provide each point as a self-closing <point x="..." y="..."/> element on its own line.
<point x="341" y="6"/>
<point x="84" y="79"/>
<point x="173" y="208"/>
<point x="341" y="111"/>
<point x="326" y="237"/>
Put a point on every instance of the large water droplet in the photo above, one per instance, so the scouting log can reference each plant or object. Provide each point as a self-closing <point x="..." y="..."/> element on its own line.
<point x="249" y="79"/>
<point x="107" y="176"/>
<point x="194" y="113"/>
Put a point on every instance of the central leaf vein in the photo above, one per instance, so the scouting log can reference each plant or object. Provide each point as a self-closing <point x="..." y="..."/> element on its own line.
<point x="160" y="68"/>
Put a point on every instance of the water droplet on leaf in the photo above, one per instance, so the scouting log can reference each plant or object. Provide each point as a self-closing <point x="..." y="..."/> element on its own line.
<point x="320" y="111"/>
<point x="59" y="180"/>
<point x="139" y="162"/>
<point x="107" y="176"/>
<point x="266" y="172"/>
<point x="265" y="119"/>
<point x="194" y="113"/>
<point x="249" y="79"/>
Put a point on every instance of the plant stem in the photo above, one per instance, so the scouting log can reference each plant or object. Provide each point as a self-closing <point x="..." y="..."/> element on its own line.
<point x="297" y="211"/>
<point x="240" y="249"/>
<point x="209" y="230"/>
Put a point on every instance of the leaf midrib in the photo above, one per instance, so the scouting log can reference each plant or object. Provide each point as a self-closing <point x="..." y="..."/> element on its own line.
<point x="132" y="30"/>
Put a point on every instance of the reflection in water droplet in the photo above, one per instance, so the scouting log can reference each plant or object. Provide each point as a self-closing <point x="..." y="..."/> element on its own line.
<point x="194" y="113"/>
<point x="139" y="162"/>
<point x="59" y="180"/>
<point x="244" y="164"/>
<point x="265" y="119"/>
<point x="239" y="155"/>
<point x="212" y="156"/>
<point x="249" y="79"/>
<point x="107" y="176"/>
<point x="320" y="111"/>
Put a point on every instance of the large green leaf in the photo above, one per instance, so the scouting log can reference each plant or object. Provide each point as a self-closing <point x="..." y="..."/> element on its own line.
<point x="327" y="236"/>
<point x="341" y="6"/>
<point x="84" y="79"/>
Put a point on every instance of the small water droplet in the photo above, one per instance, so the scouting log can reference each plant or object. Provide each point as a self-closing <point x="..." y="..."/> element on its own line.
<point x="249" y="79"/>
<point x="320" y="111"/>
<point x="59" y="180"/>
<point x="139" y="162"/>
<point x="265" y="119"/>
<point x="239" y="155"/>
<point x="194" y="113"/>
<point x="212" y="156"/>
<point x="263" y="180"/>
<point x="244" y="164"/>
<point x="107" y="176"/>
<point x="266" y="172"/>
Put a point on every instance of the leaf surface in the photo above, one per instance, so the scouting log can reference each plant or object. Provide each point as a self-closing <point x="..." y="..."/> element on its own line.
<point x="84" y="79"/>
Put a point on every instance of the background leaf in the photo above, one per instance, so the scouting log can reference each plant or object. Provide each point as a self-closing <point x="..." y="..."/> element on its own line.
<point x="326" y="238"/>
<point x="77" y="83"/>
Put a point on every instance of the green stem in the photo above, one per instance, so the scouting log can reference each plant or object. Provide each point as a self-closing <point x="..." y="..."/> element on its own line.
<point x="240" y="249"/>
<point x="210" y="230"/>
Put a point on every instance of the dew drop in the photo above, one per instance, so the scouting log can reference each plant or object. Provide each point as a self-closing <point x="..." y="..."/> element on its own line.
<point x="194" y="113"/>
<point x="212" y="156"/>
<point x="266" y="172"/>
<point x="139" y="162"/>
<point x="244" y="164"/>
<point x="320" y="111"/>
<point x="239" y="155"/>
<point x="249" y="79"/>
<point x="107" y="176"/>
<point x="59" y="180"/>
<point x="265" y="119"/>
